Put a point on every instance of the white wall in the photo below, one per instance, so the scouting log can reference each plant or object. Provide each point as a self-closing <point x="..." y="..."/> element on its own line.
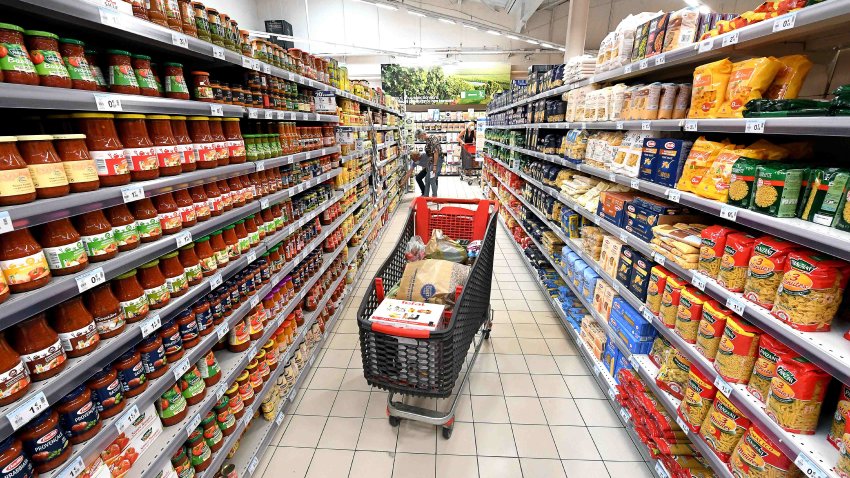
<point x="243" y="11"/>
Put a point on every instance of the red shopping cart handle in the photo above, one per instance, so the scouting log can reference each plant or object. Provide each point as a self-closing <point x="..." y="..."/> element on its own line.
<point x="400" y="332"/>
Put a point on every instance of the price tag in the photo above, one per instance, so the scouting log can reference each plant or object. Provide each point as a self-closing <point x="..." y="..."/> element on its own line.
<point x="624" y="237"/>
<point x="255" y="65"/>
<point x="179" y="39"/>
<point x="785" y="22"/>
<point x="728" y="212"/>
<point x="612" y="177"/>
<point x="673" y="195"/>
<point x="754" y="126"/>
<point x="627" y="69"/>
<point x="690" y="125"/>
<point x="221" y="331"/>
<point x="633" y="362"/>
<point x="279" y="418"/>
<point x="89" y="279"/>
<point x="681" y="423"/>
<point x="246" y="419"/>
<point x="180" y="367"/>
<point x="247" y="62"/>
<point x="253" y="350"/>
<point x="24" y="412"/>
<point x="110" y="18"/>
<point x="183" y="238"/>
<point x="267" y="69"/>
<point x="260" y="165"/>
<point x="620" y="125"/>
<point x="660" y="59"/>
<point x="253" y="113"/>
<point x="659" y="259"/>
<point x="193" y="423"/>
<point x="645" y="125"/>
<point x="264" y="203"/>
<point x="612" y="394"/>
<point x="661" y="471"/>
<point x="253" y="465"/>
<point x="127" y="418"/>
<point x="216" y="110"/>
<point x="74" y="469"/>
<point x="254" y="301"/>
<point x="281" y="115"/>
<point x="268" y="114"/>
<point x="698" y="280"/>
<point x="730" y="39"/>
<point x="150" y="325"/>
<point x="706" y="45"/>
<point x="292" y="395"/>
<point x="624" y="414"/>
<point x="5" y="222"/>
<point x="808" y="467"/>
<point x="251" y="256"/>
<point x="634" y="184"/>
<point x="132" y="193"/>
<point x="723" y="386"/>
<point x="216" y="280"/>
<point x="643" y="64"/>
<point x="218" y="52"/>
<point x="736" y="304"/>
<point x="108" y="103"/>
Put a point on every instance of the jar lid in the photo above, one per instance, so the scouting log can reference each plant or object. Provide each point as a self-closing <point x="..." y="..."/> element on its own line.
<point x="198" y="118"/>
<point x="243" y="376"/>
<point x="127" y="274"/>
<point x="184" y="313"/>
<point x="118" y="52"/>
<point x="205" y="73"/>
<point x="179" y="118"/>
<point x="73" y="394"/>
<point x="191" y="245"/>
<point x="216" y="233"/>
<point x="9" y="26"/>
<point x="8" y="139"/>
<point x="209" y="419"/>
<point x="158" y="117"/>
<point x="72" y="41"/>
<point x="91" y="51"/>
<point x="198" y="4"/>
<point x="36" y="137"/>
<point x="230" y="119"/>
<point x="227" y="228"/>
<point x="171" y="63"/>
<point x="212" y="10"/>
<point x="205" y="238"/>
<point x="68" y="136"/>
<point x="241" y="221"/>
<point x="150" y="264"/>
<point x="141" y="57"/>
<point x="215" y="118"/>
<point x="130" y="116"/>
<point x="170" y="255"/>
<point x="93" y="115"/>
<point x="39" y="33"/>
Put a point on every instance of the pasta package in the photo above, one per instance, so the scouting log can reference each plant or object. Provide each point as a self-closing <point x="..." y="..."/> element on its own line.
<point x="659" y="349"/>
<point x="709" y="90"/>
<point x="716" y="182"/>
<point x="741" y="182"/>
<point x="681" y="28"/>
<point x="749" y="78"/>
<point x="673" y="374"/>
<point x="810" y="292"/>
<point x="789" y="80"/>
<point x="756" y="456"/>
<point x="711" y="249"/>
<point x="723" y="427"/>
<point x="701" y="157"/>
<point x="670" y="300"/>
<point x="778" y="188"/>
<point x="825" y="191"/>
<point x="711" y="327"/>
<point x="683" y="100"/>
<point x="839" y="418"/>
<point x="735" y="261"/>
<point x="770" y="352"/>
<point x="668" y="100"/>
<point x="689" y="313"/>
<point x="657" y="280"/>
<point x="697" y="400"/>
<point x="737" y="351"/>
<point x="766" y="268"/>
<point x="796" y="395"/>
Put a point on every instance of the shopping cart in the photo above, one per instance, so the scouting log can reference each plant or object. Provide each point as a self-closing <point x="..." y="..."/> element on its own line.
<point x="423" y="363"/>
<point x="470" y="168"/>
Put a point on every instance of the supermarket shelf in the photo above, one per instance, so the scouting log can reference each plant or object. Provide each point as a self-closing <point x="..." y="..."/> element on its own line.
<point x="386" y="145"/>
<point x="442" y="121"/>
<point x="386" y="161"/>
<point x="299" y="188"/>
<point x="296" y="158"/>
<point x="269" y="114"/>
<point x="355" y="155"/>
<point x="355" y="182"/>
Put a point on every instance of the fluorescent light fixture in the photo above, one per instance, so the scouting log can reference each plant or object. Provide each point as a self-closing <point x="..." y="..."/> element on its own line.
<point x="512" y="37"/>
<point x="417" y="14"/>
<point x="386" y="7"/>
<point x="533" y="42"/>
<point x="493" y="32"/>
<point x="446" y="20"/>
<point x="470" y="27"/>
<point x="546" y="45"/>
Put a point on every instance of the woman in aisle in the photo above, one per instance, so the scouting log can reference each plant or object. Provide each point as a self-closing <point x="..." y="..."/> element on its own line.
<point x="431" y="163"/>
<point x="466" y="140"/>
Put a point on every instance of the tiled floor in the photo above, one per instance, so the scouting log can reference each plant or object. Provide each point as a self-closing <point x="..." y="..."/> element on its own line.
<point x="531" y="408"/>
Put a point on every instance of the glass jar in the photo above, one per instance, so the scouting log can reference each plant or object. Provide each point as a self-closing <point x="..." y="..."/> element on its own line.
<point x="105" y="148"/>
<point x="201" y="203"/>
<point x="62" y="247"/>
<point x="226" y="195"/>
<point x="131" y="373"/>
<point x="124" y="228"/>
<point x="39" y="347"/>
<point x="45" y="166"/>
<point x="17" y="66"/>
<point x="172" y="15"/>
<point x="79" y="166"/>
<point x="75" y="326"/>
<point x="168" y="214"/>
<point x="122" y="79"/>
<point x="214" y="199"/>
<point x="152" y="353"/>
<point x="219" y="141"/>
<point x="175" y="82"/>
<point x="106" y="392"/>
<point x="14" y="374"/>
<point x="216" y="30"/>
<point x="78" y="416"/>
<point x="204" y="317"/>
<point x="232" y="241"/>
<point x="145" y="77"/>
<point x="234" y="402"/>
<point x="184" y="143"/>
<point x="138" y="147"/>
<point x="201" y="23"/>
<point x="186" y="207"/>
<point x="131" y="296"/>
<point x="175" y="274"/>
<point x="165" y="145"/>
<point x="16" y="184"/>
<point x="96" y="235"/>
<point x="192" y="385"/>
<point x="171" y="406"/>
<point x="206" y="256"/>
<point x="201" y="87"/>
<point x="147" y="220"/>
<point x="96" y="72"/>
<point x="106" y="311"/>
<point x="152" y="280"/>
<point x="44" y="441"/>
<point x="44" y="53"/>
<point x="206" y="156"/>
<point x="187" y="18"/>
<point x="219" y="248"/>
<point x="171" y="341"/>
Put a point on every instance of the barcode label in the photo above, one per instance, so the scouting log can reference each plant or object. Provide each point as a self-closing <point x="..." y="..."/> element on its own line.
<point x="216" y="110"/>
<point x="736" y="304"/>
<point x="690" y="125"/>
<point x="728" y="212"/>
<point x="706" y="45"/>
<point x="25" y="412"/>
<point x="785" y="22"/>
<point x="218" y="52"/>
<point x="180" y="368"/>
<point x="89" y="279"/>
<point x="730" y="39"/>
<point x="132" y="193"/>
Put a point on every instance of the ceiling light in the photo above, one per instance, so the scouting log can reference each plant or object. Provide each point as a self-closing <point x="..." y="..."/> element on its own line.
<point x="512" y="37"/>
<point x="493" y="32"/>
<point x="417" y="14"/>
<point x="446" y="20"/>
<point x="471" y="27"/>
<point x="533" y="42"/>
<point x="386" y="7"/>
<point x="546" y="45"/>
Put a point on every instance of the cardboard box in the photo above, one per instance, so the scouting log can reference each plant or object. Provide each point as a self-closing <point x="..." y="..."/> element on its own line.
<point x="643" y="214"/>
<point x="640" y="277"/>
<point x="670" y="161"/>
<point x="612" y="206"/>
<point x="610" y="256"/>
<point x="599" y="295"/>
<point x="655" y="35"/>
<point x="624" y="266"/>
<point x="649" y="159"/>
<point x="407" y="314"/>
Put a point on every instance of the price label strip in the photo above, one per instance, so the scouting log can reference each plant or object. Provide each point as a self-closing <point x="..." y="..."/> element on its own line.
<point x="183" y="238"/>
<point x="127" y="418"/>
<point x="75" y="469"/>
<point x="150" y="325"/>
<point x="673" y="195"/>
<point x="179" y="39"/>
<point x="736" y="304"/>
<point x="108" y="103"/>
<point x="216" y="280"/>
<point x="723" y="386"/>
<point x="754" y="126"/>
<point x="808" y="467"/>
<point x="698" y="280"/>
<point x="221" y="331"/>
<point x="216" y="110"/>
<point x="218" y="52"/>
<point x="730" y="39"/>
<point x="132" y="193"/>
<point x="690" y="125"/>
<point x="253" y="465"/>
<point x="181" y="367"/>
<point x="785" y="22"/>
<point x="89" y="279"/>
<point x="193" y="423"/>
<point x="25" y="412"/>
<point x="5" y="222"/>
<point x="729" y="212"/>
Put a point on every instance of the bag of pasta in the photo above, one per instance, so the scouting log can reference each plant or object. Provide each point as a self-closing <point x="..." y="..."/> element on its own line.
<point x="711" y="327"/>
<point x="756" y="455"/>
<point x="723" y="427"/>
<point x="779" y="187"/>
<point x="655" y="289"/>
<point x="789" y="80"/>
<point x="683" y="100"/>
<point x="670" y="300"/>
<point x="659" y="349"/>
<point x="709" y="90"/>
<point x="765" y="270"/>
<point x="689" y="313"/>
<point x="749" y="78"/>
<point x="811" y="290"/>
<point x="673" y="374"/>
<point x="698" y="397"/>
<point x="741" y="182"/>
<point x="735" y="261"/>
<point x="842" y="467"/>
<point x="769" y="354"/>
<point x="737" y="351"/>
<point x="711" y="249"/>
<point x="716" y="181"/>
<point x="840" y="419"/>
<point x="796" y="395"/>
<point x="700" y="158"/>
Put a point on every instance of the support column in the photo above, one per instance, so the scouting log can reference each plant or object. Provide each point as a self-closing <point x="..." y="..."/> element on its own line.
<point x="576" y="28"/>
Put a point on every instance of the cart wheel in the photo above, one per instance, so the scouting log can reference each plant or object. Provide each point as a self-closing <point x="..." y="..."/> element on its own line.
<point x="447" y="432"/>
<point x="469" y="181"/>
<point x="487" y="334"/>
<point x="394" y="421"/>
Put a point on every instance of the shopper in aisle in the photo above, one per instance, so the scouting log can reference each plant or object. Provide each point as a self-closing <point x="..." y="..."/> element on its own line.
<point x="431" y="163"/>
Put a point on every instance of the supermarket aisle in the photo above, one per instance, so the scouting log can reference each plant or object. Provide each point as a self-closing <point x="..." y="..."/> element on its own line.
<point x="531" y="408"/>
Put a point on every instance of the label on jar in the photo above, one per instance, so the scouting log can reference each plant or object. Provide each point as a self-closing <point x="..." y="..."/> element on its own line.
<point x="80" y="420"/>
<point x="204" y="152"/>
<point x="135" y="307"/>
<point x="110" y="322"/>
<point x="244" y="244"/>
<point x="154" y="359"/>
<point x="239" y="334"/>
<point x="122" y="75"/>
<point x="49" y="175"/>
<point x="62" y="257"/>
<point x="191" y="383"/>
<point x="221" y="150"/>
<point x="200" y="453"/>
<point x="225" y="418"/>
<point x="208" y="367"/>
<point x="16" y="59"/>
<point x="78" y="68"/>
<point x="221" y="257"/>
<point x="202" y="209"/>
<point x="278" y="222"/>
<point x="177" y="283"/>
<point x="187" y="213"/>
<point x="176" y="84"/>
<point x="110" y="163"/>
<point x="79" y="339"/>
<point x="20" y="467"/>
<point x="97" y="73"/>
<point x="100" y="244"/>
<point x="149" y="227"/>
<point x="254" y="237"/>
<point x="256" y="324"/>
<point x="189" y="330"/>
<point x="246" y="390"/>
<point x="170" y="220"/>
<point x="172" y="343"/>
<point x="80" y="171"/>
<point x="233" y="250"/>
<point x="107" y="396"/>
<point x="126" y="234"/>
<point x="25" y="269"/>
<point x="14" y="182"/>
<point x="46" y="359"/>
<point x="236" y="148"/>
<point x="146" y="79"/>
<point x="209" y="264"/>
<point x="226" y="200"/>
<point x="213" y="435"/>
<point x="171" y="403"/>
<point x="47" y="447"/>
<point x="203" y="93"/>
<point x="215" y="203"/>
<point x="48" y="63"/>
<point x="14" y="380"/>
<point x="194" y="273"/>
<point x="141" y="159"/>
<point x="168" y="156"/>
<point x="157" y="295"/>
<point x="132" y="377"/>
<point x="186" y="152"/>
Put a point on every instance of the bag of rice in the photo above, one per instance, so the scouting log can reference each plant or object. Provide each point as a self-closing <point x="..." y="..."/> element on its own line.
<point x="749" y="78"/>
<point x="709" y="91"/>
<point x="789" y="80"/>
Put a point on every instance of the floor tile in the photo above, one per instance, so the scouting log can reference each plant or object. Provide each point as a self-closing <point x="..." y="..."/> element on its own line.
<point x="486" y="363"/>
<point x="597" y="413"/>
<point x="526" y="410"/>
<point x="571" y="365"/>
<point x="318" y="402"/>
<point x="596" y="469"/>
<point x="489" y="409"/>
<point x="372" y="464"/>
<point x="534" y="441"/>
<point x="327" y="378"/>
<point x="534" y="467"/>
<point x="561" y="346"/>
<point x="494" y="439"/>
<point x="336" y="358"/>
<point x="341" y="433"/>
<point x="330" y="463"/>
<point x="552" y="331"/>
<point x="518" y="385"/>
<point x="377" y="435"/>
<point x="462" y="441"/>
<point x="583" y="386"/>
<point x="515" y="304"/>
<point x="350" y="403"/>
<point x="353" y="380"/>
<point x="551" y="386"/>
<point x="541" y="364"/>
<point x="528" y="331"/>
<point x="614" y="444"/>
<point x="288" y="462"/>
<point x="521" y="316"/>
<point x="414" y="437"/>
<point x="484" y="384"/>
<point x="457" y="466"/>
<point x="574" y="443"/>
<point x="539" y="305"/>
<point x="377" y="405"/>
<point x="495" y="467"/>
<point x="534" y="347"/>
<point x="511" y="364"/>
<point x="506" y="345"/>
<point x="561" y="411"/>
<point x="303" y="431"/>
<point x="631" y="469"/>
<point x="411" y="465"/>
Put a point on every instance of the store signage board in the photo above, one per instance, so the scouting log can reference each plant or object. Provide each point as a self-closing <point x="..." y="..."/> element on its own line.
<point x="325" y="101"/>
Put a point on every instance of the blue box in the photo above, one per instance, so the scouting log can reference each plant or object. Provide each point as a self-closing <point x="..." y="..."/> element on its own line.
<point x="630" y="318"/>
<point x="670" y="161"/>
<point x="639" y="281"/>
<point x="634" y="345"/>
<point x="649" y="159"/>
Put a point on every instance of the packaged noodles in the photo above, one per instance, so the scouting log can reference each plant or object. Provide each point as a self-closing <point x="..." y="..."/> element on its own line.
<point x="670" y="300"/>
<point x="788" y="81"/>
<point x="700" y="158"/>
<point x="756" y="456"/>
<point x="673" y="374"/>
<point x="711" y="327"/>
<point x="811" y="290"/>
<point x="697" y="399"/>
<point x="657" y="281"/>
<point x="737" y="351"/>
<point x="766" y="268"/>
<point x="735" y="261"/>
<point x="711" y="249"/>
<point x="689" y="313"/>
<point x="769" y="354"/>
<point x="709" y="90"/>
<point x="839" y="418"/>
<point x="796" y="395"/>
<point x="723" y="427"/>
<point x="747" y="81"/>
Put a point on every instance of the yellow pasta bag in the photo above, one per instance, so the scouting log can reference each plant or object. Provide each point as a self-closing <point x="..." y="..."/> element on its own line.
<point x="839" y="418"/>
<point x="723" y="427"/>
<point x="700" y="158"/>
<point x="715" y="183"/>
<point x="796" y="395"/>
<point x="789" y="80"/>
<point x="749" y="78"/>
<point x="709" y="91"/>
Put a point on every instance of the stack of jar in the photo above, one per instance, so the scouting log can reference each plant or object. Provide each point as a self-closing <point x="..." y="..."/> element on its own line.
<point x="193" y="19"/>
<point x="350" y="113"/>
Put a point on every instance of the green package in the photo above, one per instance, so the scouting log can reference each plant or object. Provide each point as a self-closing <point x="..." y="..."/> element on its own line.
<point x="777" y="191"/>
<point x="842" y="222"/>
<point x="742" y="180"/>
<point x="825" y="193"/>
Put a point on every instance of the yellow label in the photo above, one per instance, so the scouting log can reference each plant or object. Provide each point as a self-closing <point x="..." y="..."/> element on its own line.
<point x="48" y="175"/>
<point x="26" y="269"/>
<point x="14" y="182"/>
<point x="80" y="171"/>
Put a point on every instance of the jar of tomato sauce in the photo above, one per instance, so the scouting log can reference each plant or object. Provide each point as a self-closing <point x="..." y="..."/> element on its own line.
<point x="239" y="338"/>
<point x="44" y="165"/>
<point x="44" y="441"/>
<point x="203" y="316"/>
<point x="138" y="147"/>
<point x="16" y="185"/>
<point x="199" y="452"/>
<point x="106" y="392"/>
<point x="219" y="248"/>
<point x="193" y="386"/>
<point x="171" y="406"/>
<point x="214" y="199"/>
<point x="13" y="461"/>
<point x="165" y="145"/>
<point x="122" y="79"/>
<point x="74" y="57"/>
<point x="184" y="143"/>
<point x="22" y="261"/>
<point x="106" y="311"/>
<point x="175" y="274"/>
<point x="39" y="347"/>
<point x="169" y="213"/>
<point x="201" y="23"/>
<point x="75" y="326"/>
<point x="63" y="247"/>
<point x="131" y="296"/>
<point x="152" y="353"/>
<point x="131" y="373"/>
<point x="153" y="281"/>
<point x="212" y="433"/>
<point x="226" y="195"/>
<point x="219" y="141"/>
<point x="124" y="228"/>
<point x="186" y="207"/>
<point x="96" y="234"/>
<point x="175" y="83"/>
<point x="14" y="375"/>
<point x="147" y="220"/>
<point x="97" y="73"/>
<point x="145" y="77"/>
<point x="187" y="18"/>
<point x="201" y="203"/>
<point x="156" y="12"/>
<point x="16" y="66"/>
<point x="202" y="141"/>
<point x="236" y="191"/>
<point x="206" y="256"/>
<point x="235" y="143"/>
<point x="44" y="52"/>
<point x="79" y="166"/>
<point x="172" y="15"/>
<point x="171" y="341"/>
<point x="216" y="31"/>
<point x="78" y="416"/>
<point x="234" y="402"/>
<point x="104" y="147"/>
<point x="201" y="87"/>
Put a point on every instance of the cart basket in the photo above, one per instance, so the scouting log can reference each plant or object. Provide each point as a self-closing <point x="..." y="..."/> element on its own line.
<point x="420" y="362"/>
